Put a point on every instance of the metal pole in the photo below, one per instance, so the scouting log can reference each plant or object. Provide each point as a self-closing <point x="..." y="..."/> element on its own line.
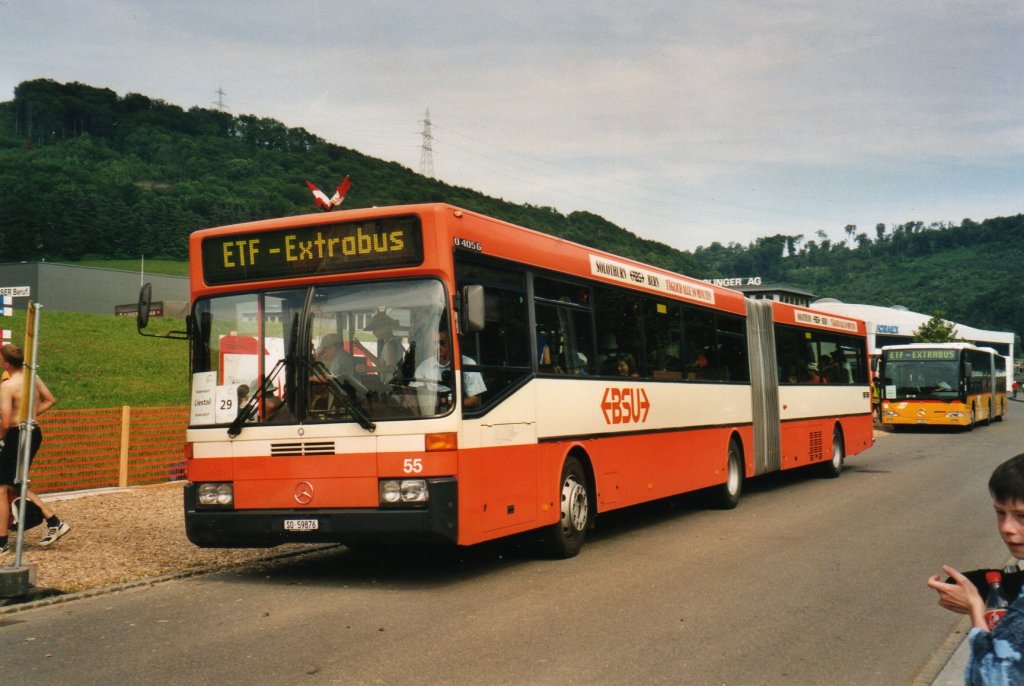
<point x="27" y="426"/>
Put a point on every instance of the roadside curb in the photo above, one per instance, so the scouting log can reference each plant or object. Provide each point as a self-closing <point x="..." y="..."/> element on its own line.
<point x="952" y="673"/>
<point x="42" y="596"/>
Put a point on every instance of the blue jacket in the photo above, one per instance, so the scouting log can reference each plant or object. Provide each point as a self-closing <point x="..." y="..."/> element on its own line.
<point x="997" y="658"/>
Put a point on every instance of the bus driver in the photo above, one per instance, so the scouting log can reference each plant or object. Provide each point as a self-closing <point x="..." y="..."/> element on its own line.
<point x="433" y="370"/>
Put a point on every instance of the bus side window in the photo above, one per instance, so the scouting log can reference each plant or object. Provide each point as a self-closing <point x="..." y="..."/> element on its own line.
<point x="500" y="352"/>
<point x="564" y="327"/>
<point x="663" y="334"/>
<point x="732" y="348"/>
<point x="619" y="331"/>
<point x="791" y="354"/>
<point x="699" y="345"/>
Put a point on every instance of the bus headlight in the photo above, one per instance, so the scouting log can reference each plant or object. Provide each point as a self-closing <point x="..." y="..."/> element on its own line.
<point x="398" y="492"/>
<point x="215" y="495"/>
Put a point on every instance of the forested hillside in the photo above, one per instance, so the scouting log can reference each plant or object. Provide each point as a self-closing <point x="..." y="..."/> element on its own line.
<point x="972" y="272"/>
<point x="85" y="172"/>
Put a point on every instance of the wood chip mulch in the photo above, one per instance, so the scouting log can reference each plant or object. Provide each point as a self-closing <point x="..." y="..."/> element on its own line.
<point x="122" y="536"/>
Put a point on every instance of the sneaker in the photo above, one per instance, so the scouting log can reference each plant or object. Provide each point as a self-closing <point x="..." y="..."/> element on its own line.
<point x="5" y="548"/>
<point x="55" y="532"/>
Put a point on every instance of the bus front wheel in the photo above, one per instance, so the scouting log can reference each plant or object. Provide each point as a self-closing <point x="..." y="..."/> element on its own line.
<point x="564" y="538"/>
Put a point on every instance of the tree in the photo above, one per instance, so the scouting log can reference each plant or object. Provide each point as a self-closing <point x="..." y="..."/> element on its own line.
<point x="791" y="244"/>
<point x="936" y="330"/>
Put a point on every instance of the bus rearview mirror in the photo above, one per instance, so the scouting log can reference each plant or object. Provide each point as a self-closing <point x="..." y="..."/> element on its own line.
<point x="145" y="300"/>
<point x="471" y="318"/>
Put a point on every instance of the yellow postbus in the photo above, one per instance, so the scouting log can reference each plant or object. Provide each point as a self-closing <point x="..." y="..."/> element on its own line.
<point x="942" y="384"/>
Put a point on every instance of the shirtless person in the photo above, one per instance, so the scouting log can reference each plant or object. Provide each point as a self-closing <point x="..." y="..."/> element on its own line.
<point x="12" y="360"/>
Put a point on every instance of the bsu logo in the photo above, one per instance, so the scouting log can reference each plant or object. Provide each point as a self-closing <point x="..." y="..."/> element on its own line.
<point x="625" y="405"/>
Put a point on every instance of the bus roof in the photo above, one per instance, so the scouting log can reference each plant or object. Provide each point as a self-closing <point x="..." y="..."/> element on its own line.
<point x="447" y="228"/>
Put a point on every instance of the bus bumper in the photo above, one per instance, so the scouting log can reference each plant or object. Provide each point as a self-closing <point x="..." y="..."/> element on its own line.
<point x="211" y="528"/>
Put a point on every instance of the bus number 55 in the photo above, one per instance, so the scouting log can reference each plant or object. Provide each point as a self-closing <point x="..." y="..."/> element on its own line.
<point x="412" y="465"/>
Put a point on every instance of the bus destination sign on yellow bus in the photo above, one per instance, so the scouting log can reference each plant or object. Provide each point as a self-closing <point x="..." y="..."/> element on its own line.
<point x="308" y="250"/>
<point x="923" y="354"/>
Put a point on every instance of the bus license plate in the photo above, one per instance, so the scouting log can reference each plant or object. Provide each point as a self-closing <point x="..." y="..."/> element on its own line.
<point x="301" y="525"/>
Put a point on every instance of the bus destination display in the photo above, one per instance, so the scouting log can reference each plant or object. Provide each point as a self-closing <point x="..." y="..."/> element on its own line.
<point x="309" y="250"/>
<point x="921" y="354"/>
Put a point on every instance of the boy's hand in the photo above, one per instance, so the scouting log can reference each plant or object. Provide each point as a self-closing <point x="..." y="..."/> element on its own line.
<point x="961" y="596"/>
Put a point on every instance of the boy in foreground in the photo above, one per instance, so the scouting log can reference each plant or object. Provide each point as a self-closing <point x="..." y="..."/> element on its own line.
<point x="997" y="657"/>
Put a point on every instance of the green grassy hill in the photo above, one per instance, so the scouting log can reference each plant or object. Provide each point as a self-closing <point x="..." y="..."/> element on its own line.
<point x="95" y="360"/>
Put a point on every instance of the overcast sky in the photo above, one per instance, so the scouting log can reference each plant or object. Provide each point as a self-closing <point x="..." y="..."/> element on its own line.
<point x="684" y="121"/>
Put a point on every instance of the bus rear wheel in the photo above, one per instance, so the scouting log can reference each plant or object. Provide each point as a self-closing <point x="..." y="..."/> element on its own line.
<point x="834" y="467"/>
<point x="564" y="538"/>
<point x="727" y="496"/>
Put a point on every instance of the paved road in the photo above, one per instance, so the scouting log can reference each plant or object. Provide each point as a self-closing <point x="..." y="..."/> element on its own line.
<point x="809" y="581"/>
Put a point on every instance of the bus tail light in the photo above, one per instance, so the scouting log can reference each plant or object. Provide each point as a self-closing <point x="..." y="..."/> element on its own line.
<point x="215" y="495"/>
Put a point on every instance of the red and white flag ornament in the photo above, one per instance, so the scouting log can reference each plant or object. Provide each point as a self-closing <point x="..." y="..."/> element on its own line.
<point x="321" y="199"/>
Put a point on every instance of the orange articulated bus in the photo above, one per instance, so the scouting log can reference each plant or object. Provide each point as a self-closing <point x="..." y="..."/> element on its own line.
<point x="428" y="371"/>
<point x="942" y="384"/>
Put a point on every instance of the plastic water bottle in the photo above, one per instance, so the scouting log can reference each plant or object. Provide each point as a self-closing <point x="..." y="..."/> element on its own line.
<point x="996" y="602"/>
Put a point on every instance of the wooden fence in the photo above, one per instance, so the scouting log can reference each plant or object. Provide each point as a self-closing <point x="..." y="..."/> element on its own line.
<point x="105" y="447"/>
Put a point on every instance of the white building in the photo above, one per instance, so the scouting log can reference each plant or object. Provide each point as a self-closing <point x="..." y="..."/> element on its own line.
<point x="896" y="325"/>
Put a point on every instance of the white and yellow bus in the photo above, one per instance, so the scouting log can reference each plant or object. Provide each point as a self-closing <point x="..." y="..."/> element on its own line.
<point x="942" y="384"/>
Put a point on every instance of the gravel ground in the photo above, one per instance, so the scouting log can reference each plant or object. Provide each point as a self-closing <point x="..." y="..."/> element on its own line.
<point x="119" y="536"/>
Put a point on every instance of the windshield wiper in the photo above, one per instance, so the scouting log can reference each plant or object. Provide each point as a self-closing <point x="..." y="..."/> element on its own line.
<point x="338" y="390"/>
<point x="248" y="411"/>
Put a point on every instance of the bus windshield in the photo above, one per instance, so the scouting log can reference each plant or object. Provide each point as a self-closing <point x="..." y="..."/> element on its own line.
<point x="326" y="353"/>
<point x="920" y="379"/>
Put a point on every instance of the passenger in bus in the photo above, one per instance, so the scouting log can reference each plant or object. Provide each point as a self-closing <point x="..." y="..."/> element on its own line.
<point x="833" y="368"/>
<point x="608" y="352"/>
<point x="334" y="357"/>
<point x="626" y="366"/>
<point x="825" y="368"/>
<point x="700" y="367"/>
<point x="389" y="347"/>
<point x="811" y="374"/>
<point x="437" y="370"/>
<point x="548" y="363"/>
<point x="341" y="365"/>
<point x="845" y="373"/>
<point x="582" y="367"/>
